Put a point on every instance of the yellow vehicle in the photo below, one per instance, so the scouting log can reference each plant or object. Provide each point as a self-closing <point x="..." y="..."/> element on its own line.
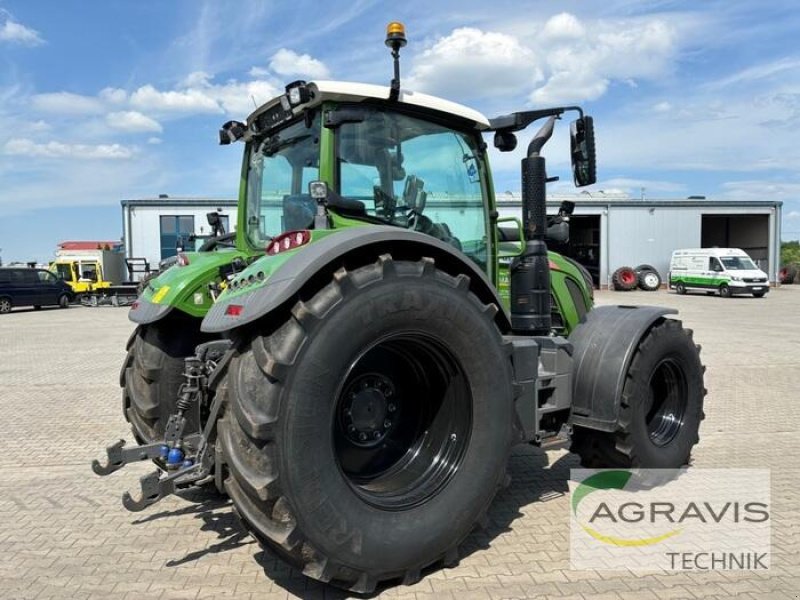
<point x="97" y="276"/>
<point x="84" y="275"/>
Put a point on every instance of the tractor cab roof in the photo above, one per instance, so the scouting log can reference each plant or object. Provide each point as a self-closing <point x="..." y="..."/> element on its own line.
<point x="280" y="109"/>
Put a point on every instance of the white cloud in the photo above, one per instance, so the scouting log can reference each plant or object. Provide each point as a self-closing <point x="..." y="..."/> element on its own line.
<point x="31" y="148"/>
<point x="132" y="122"/>
<point x="196" y="79"/>
<point x="582" y="61"/>
<point x="564" y="59"/>
<point x="287" y="63"/>
<point x="474" y="63"/>
<point x="113" y="95"/>
<point x="795" y="214"/>
<point x="183" y="101"/>
<point x="257" y="72"/>
<point x="758" y="72"/>
<point x="17" y="33"/>
<point x="67" y="103"/>
<point x="756" y="189"/>
<point x="563" y="27"/>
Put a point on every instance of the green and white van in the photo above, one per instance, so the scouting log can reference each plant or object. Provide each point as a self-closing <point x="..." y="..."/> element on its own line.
<point x="727" y="271"/>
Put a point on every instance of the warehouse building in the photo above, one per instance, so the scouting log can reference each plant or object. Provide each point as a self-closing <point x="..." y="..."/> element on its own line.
<point x="606" y="231"/>
<point x="155" y="228"/>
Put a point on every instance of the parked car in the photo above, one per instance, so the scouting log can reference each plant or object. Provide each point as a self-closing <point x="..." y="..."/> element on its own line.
<point x="21" y="286"/>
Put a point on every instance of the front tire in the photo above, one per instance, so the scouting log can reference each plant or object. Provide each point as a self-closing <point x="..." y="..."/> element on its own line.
<point x="724" y="291"/>
<point x="63" y="301"/>
<point x="759" y="294"/>
<point x="660" y="409"/>
<point x="368" y="434"/>
<point x="5" y="306"/>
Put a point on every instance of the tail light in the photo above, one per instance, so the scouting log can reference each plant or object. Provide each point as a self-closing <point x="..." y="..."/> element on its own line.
<point x="288" y="241"/>
<point x="183" y="260"/>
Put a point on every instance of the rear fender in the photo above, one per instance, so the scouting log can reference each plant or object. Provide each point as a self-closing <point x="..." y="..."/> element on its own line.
<point x="315" y="264"/>
<point x="604" y="344"/>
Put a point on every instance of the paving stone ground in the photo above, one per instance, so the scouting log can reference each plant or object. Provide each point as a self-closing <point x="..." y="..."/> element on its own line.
<point x="64" y="533"/>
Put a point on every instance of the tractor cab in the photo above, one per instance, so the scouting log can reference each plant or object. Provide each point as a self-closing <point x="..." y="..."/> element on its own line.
<point x="416" y="163"/>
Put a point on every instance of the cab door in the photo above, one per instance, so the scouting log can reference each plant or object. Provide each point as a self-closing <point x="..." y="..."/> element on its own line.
<point x="715" y="272"/>
<point x="24" y="289"/>
<point x="48" y="288"/>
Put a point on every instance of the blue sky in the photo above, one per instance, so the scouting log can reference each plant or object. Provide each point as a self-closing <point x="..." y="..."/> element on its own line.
<point x="105" y="100"/>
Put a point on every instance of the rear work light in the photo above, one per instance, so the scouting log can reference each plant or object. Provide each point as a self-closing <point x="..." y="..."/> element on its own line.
<point x="288" y="241"/>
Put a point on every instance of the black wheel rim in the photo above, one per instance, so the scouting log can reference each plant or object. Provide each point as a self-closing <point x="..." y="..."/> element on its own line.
<point x="402" y="420"/>
<point x="669" y="398"/>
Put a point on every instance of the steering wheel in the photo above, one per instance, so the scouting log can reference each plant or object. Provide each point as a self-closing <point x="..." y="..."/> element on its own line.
<point x="227" y="240"/>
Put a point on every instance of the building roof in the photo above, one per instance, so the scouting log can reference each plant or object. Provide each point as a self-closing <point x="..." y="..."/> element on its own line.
<point x="180" y="201"/>
<point x="88" y="245"/>
<point x="610" y="200"/>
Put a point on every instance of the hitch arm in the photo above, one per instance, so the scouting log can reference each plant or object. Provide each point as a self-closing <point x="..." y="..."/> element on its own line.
<point x="154" y="487"/>
<point x="119" y="456"/>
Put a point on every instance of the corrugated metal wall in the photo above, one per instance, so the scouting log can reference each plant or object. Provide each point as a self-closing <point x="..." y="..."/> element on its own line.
<point x="648" y="235"/>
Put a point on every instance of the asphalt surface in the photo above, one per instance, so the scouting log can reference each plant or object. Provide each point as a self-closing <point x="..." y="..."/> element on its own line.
<point x="64" y="533"/>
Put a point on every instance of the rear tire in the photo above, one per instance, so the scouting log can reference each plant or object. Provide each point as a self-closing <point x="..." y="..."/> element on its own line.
<point x="63" y="301"/>
<point x="5" y="306"/>
<point x="153" y="372"/>
<point x="660" y="409"/>
<point x="680" y="288"/>
<point x="315" y="471"/>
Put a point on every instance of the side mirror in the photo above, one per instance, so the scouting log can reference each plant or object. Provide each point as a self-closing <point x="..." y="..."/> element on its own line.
<point x="231" y="132"/>
<point x="505" y="141"/>
<point x="584" y="163"/>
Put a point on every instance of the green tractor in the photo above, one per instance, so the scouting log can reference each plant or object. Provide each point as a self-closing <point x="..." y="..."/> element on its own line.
<point x="354" y="368"/>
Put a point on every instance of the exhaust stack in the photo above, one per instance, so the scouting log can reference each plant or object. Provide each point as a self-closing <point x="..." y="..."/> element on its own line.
<point x="530" y="272"/>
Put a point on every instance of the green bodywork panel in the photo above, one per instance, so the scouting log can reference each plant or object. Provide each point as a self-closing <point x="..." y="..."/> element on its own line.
<point x="178" y="286"/>
<point x="560" y="270"/>
<point x="699" y="280"/>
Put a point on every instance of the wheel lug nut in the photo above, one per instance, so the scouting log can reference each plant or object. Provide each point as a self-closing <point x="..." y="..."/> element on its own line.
<point x="377" y="435"/>
<point x="351" y="428"/>
<point x="391" y="408"/>
<point x="362" y="436"/>
<point x="387" y="423"/>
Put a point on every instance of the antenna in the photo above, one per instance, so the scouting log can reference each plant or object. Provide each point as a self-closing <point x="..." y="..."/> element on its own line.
<point x="395" y="39"/>
<point x="253" y="98"/>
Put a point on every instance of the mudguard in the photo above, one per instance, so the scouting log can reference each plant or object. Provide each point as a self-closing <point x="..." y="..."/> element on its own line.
<point x="604" y="344"/>
<point x="357" y="245"/>
<point x="144" y="312"/>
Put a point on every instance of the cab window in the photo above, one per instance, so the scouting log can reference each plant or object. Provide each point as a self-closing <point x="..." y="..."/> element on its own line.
<point x="46" y="277"/>
<point x="416" y="174"/>
<point x="714" y="265"/>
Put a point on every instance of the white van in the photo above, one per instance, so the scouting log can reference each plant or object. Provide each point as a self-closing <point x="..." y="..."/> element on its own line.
<point x="728" y="271"/>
